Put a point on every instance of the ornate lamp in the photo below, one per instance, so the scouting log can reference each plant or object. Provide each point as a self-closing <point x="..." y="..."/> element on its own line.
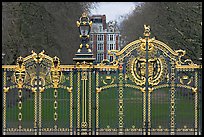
<point x="84" y="26"/>
<point x="84" y="53"/>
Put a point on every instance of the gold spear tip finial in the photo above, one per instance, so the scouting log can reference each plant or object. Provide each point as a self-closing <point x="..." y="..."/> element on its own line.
<point x="147" y="30"/>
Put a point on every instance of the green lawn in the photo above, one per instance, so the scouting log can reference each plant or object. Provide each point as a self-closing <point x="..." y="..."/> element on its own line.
<point x="108" y="113"/>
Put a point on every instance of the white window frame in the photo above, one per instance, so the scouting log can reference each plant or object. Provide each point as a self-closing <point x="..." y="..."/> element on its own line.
<point x="100" y="46"/>
<point x="111" y="47"/>
<point x="111" y="37"/>
<point x="100" y="57"/>
<point x="100" y="37"/>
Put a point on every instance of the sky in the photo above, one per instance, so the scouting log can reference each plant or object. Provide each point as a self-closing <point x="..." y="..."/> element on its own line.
<point x="113" y="10"/>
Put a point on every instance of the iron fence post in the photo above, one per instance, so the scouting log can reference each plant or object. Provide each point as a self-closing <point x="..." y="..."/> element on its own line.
<point x="38" y="90"/>
<point x="146" y="87"/>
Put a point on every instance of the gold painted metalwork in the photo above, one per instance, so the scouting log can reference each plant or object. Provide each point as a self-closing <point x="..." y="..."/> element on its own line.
<point x="6" y="89"/>
<point x="84" y="15"/>
<point x="160" y="129"/>
<point x="78" y="99"/>
<point x="35" y="112"/>
<point x="55" y="107"/>
<point x="196" y="103"/>
<point x="98" y="90"/>
<point x="147" y="30"/>
<point x="161" y="86"/>
<point x="188" y="87"/>
<point x="144" y="112"/>
<point x="40" y="114"/>
<point x="20" y="72"/>
<point x="84" y="79"/>
<point x="4" y="103"/>
<point x="50" y="76"/>
<point x="149" y="111"/>
<point x="42" y="89"/>
<point x="71" y="103"/>
<point x="69" y="89"/>
<point x="56" y="74"/>
<point x="97" y="102"/>
<point x="157" y="70"/>
<point x="172" y="108"/>
<point x="90" y="99"/>
<point x="20" y="107"/>
<point x="150" y="89"/>
<point x="133" y="86"/>
<point x="108" y="80"/>
<point x="185" y="78"/>
<point x="112" y="53"/>
<point x="120" y="103"/>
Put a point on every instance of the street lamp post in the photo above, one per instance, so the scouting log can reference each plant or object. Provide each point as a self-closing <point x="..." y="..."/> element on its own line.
<point x="84" y="53"/>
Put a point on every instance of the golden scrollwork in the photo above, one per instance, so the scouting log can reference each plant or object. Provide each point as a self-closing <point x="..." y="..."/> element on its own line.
<point x="41" y="56"/>
<point x="39" y="72"/>
<point x="136" y="70"/>
<point x="6" y="89"/>
<point x="108" y="80"/>
<point x="56" y="73"/>
<point x="19" y="74"/>
<point x="113" y="54"/>
<point x="34" y="56"/>
<point x="187" y="63"/>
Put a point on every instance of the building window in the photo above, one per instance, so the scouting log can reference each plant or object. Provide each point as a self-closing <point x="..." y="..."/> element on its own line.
<point x="99" y="57"/>
<point x="111" y="37"/>
<point x="96" y="20"/>
<point x="99" y="46"/>
<point x="100" y="37"/>
<point x="111" y="47"/>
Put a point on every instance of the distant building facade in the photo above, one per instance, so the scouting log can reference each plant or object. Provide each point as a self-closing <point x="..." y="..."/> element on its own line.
<point x="103" y="37"/>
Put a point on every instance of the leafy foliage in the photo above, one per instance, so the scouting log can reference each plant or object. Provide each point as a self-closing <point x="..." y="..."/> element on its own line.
<point x="178" y="24"/>
<point x="37" y="26"/>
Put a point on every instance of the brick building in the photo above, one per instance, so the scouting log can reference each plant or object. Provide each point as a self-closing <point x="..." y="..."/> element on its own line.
<point x="103" y="37"/>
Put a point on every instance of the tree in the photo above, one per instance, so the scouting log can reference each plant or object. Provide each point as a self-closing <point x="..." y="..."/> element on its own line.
<point x="37" y="26"/>
<point x="178" y="24"/>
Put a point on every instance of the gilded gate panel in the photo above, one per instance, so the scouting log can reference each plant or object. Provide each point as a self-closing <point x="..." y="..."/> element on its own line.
<point x="148" y="89"/>
<point x="107" y="102"/>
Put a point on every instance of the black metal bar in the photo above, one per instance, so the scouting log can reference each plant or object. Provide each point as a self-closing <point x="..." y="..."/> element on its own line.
<point x="72" y="101"/>
<point x="146" y="86"/>
<point x="38" y="90"/>
<point x="95" y="101"/>
<point x="200" y="101"/>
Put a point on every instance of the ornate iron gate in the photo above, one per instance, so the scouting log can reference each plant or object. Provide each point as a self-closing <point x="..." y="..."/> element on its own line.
<point x="147" y="89"/>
